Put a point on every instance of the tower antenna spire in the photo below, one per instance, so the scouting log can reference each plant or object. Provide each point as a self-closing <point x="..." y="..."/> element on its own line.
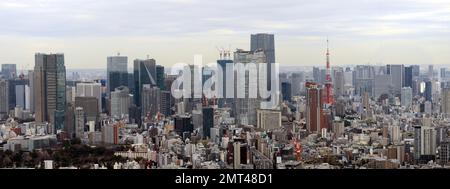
<point x="329" y="98"/>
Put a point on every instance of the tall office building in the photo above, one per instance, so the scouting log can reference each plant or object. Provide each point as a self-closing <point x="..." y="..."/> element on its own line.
<point x="382" y="86"/>
<point x="286" y="91"/>
<point x="70" y="120"/>
<point x="117" y="72"/>
<point x="425" y="142"/>
<point x="9" y="71"/>
<point x="222" y="89"/>
<point x="144" y="74"/>
<point x="4" y="93"/>
<point x="363" y="77"/>
<point x="166" y="106"/>
<point x="314" y="111"/>
<point x="339" y="83"/>
<point x="160" y="75"/>
<point x="409" y="76"/>
<point x="22" y="96"/>
<point x="245" y="107"/>
<point x="443" y="73"/>
<point x="208" y="121"/>
<point x="13" y="84"/>
<point x="31" y="84"/>
<point x="397" y="73"/>
<point x="90" y="107"/>
<point x="431" y="72"/>
<point x="120" y="102"/>
<point x="297" y="83"/>
<point x="80" y="122"/>
<point x="416" y="70"/>
<point x="50" y="89"/>
<point x="406" y="97"/>
<point x="151" y="101"/>
<point x="428" y="91"/>
<point x="446" y="101"/>
<point x="266" y="43"/>
<point x="90" y="90"/>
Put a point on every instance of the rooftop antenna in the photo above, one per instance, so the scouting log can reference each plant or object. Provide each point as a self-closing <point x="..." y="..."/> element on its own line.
<point x="148" y="57"/>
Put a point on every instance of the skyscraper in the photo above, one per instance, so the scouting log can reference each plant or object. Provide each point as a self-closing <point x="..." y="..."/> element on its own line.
<point x="160" y="75"/>
<point x="266" y="43"/>
<point x="50" y="89"/>
<point x="397" y="73"/>
<point x="409" y="76"/>
<point x="90" y="90"/>
<point x="316" y="75"/>
<point x="425" y="142"/>
<point x="245" y="107"/>
<point x="9" y="71"/>
<point x="22" y="93"/>
<point x="13" y="85"/>
<point x="446" y="101"/>
<point x="222" y="90"/>
<point x="31" y="84"/>
<point x="286" y="91"/>
<point x="120" y="102"/>
<point x="144" y="74"/>
<point x="4" y="102"/>
<point x="431" y="72"/>
<point x="70" y="120"/>
<point x="166" y="99"/>
<point x="339" y="83"/>
<point x="314" y="112"/>
<point x="406" y="97"/>
<point x="428" y="91"/>
<point x="117" y="72"/>
<point x="297" y="83"/>
<point x="151" y="101"/>
<point x="208" y="121"/>
<point x="364" y="79"/>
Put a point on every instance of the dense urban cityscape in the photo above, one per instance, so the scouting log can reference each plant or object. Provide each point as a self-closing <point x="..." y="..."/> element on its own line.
<point x="366" y="116"/>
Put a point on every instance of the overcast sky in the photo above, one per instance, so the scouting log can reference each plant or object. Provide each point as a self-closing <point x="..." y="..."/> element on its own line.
<point x="171" y="31"/>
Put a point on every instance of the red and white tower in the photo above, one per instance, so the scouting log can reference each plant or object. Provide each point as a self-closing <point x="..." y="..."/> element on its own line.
<point x="329" y="98"/>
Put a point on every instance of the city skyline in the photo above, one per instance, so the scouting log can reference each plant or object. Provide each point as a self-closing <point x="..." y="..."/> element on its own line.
<point x="388" y="32"/>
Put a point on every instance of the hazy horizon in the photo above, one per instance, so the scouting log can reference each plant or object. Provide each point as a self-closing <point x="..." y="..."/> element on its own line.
<point x="172" y="31"/>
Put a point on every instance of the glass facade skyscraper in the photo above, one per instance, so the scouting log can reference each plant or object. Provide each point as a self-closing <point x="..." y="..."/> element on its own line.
<point x="117" y="72"/>
<point x="50" y="89"/>
<point x="144" y="73"/>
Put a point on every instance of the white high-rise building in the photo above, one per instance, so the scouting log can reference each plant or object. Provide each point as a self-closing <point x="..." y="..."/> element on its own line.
<point x="406" y="97"/>
<point x="120" y="102"/>
<point x="424" y="141"/>
<point x="90" y="90"/>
